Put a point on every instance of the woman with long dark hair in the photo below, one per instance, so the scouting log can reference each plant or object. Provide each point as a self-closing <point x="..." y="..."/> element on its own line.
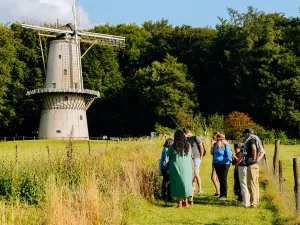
<point x="180" y="169"/>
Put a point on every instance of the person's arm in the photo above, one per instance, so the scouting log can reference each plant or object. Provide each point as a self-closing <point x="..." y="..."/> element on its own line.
<point x="201" y="150"/>
<point x="228" y="153"/>
<point x="212" y="147"/>
<point x="166" y="156"/>
<point x="234" y="157"/>
<point x="240" y="158"/>
<point x="260" y="155"/>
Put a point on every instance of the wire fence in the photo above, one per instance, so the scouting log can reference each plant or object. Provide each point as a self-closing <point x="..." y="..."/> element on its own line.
<point x="286" y="185"/>
<point x="26" y="138"/>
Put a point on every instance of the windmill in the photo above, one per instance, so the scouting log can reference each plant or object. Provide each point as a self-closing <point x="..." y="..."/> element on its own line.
<point x="65" y="101"/>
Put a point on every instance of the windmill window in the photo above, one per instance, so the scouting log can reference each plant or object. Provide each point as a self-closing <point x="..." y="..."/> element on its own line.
<point x="65" y="72"/>
<point x="58" y="131"/>
<point x="80" y="117"/>
<point x="59" y="56"/>
<point x="53" y="85"/>
<point x="66" y="98"/>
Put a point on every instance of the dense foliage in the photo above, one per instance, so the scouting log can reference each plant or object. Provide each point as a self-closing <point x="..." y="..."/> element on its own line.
<point x="248" y="63"/>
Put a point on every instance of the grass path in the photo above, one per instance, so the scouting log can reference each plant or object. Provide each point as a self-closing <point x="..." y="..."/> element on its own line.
<point x="207" y="209"/>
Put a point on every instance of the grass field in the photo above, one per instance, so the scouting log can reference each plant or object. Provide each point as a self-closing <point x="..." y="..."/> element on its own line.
<point x="118" y="184"/>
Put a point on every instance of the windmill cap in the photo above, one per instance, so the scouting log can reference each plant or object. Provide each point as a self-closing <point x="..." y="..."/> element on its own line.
<point x="248" y="130"/>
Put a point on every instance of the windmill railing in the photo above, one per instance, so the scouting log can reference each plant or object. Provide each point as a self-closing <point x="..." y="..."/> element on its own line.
<point x="63" y="90"/>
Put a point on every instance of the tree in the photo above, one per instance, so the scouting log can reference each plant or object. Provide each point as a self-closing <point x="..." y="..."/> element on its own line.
<point x="235" y="123"/>
<point x="164" y="89"/>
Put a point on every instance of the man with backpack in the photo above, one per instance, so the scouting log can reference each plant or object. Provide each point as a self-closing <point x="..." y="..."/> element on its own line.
<point x="253" y="152"/>
<point x="197" y="154"/>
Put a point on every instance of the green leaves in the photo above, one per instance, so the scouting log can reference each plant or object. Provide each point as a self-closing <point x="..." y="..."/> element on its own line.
<point x="165" y="88"/>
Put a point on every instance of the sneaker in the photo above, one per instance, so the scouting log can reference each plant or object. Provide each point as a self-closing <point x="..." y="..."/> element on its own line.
<point x="216" y="194"/>
<point x="199" y="192"/>
<point x="222" y="198"/>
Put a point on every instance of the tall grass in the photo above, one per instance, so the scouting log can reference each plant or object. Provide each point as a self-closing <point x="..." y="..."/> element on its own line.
<point x="75" y="187"/>
<point x="114" y="185"/>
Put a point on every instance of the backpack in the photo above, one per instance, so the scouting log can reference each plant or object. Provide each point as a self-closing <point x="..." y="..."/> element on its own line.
<point x="204" y="150"/>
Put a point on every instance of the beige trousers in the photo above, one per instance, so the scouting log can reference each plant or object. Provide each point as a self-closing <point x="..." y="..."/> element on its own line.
<point x="243" y="184"/>
<point x="253" y="185"/>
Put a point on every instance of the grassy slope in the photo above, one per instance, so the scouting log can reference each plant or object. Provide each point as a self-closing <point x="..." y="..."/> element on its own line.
<point x="206" y="210"/>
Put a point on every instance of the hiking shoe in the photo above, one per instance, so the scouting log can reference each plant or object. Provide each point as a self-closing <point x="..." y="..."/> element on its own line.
<point x="222" y="198"/>
<point x="199" y="192"/>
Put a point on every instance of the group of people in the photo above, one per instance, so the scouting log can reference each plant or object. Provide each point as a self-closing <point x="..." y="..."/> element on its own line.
<point x="182" y="157"/>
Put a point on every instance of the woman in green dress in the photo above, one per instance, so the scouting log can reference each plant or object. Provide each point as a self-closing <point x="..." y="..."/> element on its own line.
<point x="180" y="169"/>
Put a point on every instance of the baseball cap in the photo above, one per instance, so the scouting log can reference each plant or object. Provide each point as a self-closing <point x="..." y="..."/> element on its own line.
<point x="248" y="130"/>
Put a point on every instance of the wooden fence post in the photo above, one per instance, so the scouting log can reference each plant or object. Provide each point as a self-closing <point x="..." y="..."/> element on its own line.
<point x="265" y="161"/>
<point x="48" y="150"/>
<point x="297" y="186"/>
<point x="106" y="145"/>
<point x="89" y="143"/>
<point x="280" y="178"/>
<point x="276" y="158"/>
<point x="16" y="154"/>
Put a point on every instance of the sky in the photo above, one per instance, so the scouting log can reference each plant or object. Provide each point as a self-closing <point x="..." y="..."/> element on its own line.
<point x="196" y="13"/>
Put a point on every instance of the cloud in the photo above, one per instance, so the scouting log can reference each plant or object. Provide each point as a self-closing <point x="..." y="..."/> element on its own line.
<point x="42" y="10"/>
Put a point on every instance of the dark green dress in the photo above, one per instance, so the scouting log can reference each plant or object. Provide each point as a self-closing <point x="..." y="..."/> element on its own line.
<point x="180" y="170"/>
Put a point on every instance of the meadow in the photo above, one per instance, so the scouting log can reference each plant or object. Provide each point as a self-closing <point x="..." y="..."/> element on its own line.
<point x="118" y="183"/>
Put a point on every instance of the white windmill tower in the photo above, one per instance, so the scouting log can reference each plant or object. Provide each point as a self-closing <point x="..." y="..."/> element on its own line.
<point x="65" y="101"/>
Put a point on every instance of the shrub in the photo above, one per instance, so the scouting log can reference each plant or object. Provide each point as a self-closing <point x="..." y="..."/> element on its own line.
<point x="235" y="123"/>
<point x="216" y="122"/>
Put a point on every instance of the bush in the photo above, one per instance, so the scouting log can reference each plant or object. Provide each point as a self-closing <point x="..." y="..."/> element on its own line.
<point x="216" y="122"/>
<point x="235" y="123"/>
<point x="6" y="187"/>
<point x="164" y="131"/>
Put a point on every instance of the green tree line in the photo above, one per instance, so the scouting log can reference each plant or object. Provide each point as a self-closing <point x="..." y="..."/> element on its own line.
<point x="248" y="63"/>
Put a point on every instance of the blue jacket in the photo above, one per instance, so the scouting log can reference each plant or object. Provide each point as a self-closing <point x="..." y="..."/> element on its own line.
<point x="163" y="157"/>
<point x="222" y="155"/>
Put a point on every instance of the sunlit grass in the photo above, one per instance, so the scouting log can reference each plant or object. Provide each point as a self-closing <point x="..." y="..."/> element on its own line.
<point x="116" y="184"/>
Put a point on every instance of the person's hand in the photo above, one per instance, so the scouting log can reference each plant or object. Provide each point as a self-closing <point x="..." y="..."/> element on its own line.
<point x="250" y="160"/>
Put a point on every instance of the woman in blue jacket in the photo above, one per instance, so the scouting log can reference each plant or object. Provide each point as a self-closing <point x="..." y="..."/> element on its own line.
<point x="164" y="160"/>
<point x="222" y="158"/>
